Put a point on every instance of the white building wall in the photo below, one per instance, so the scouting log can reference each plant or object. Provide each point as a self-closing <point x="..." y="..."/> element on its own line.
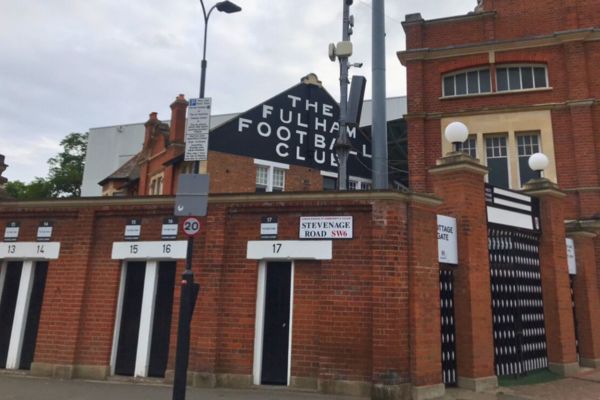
<point x="108" y="148"/>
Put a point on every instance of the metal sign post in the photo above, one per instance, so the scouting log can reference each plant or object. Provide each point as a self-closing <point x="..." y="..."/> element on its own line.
<point x="191" y="201"/>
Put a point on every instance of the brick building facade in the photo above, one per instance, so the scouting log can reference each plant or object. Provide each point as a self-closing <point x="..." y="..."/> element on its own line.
<point x="303" y="119"/>
<point x="89" y="287"/>
<point x="520" y="75"/>
<point x="510" y="79"/>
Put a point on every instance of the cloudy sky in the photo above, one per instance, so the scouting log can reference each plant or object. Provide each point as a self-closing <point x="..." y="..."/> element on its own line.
<point x="68" y="66"/>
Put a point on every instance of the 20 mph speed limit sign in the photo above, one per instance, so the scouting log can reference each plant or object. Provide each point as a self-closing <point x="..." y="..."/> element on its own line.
<point x="191" y="226"/>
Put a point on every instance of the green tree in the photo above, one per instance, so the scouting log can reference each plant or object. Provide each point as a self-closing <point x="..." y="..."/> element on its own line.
<point x="64" y="177"/>
<point x="66" y="169"/>
<point x="38" y="189"/>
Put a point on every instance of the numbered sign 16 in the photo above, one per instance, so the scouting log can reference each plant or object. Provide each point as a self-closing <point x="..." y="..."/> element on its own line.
<point x="191" y="226"/>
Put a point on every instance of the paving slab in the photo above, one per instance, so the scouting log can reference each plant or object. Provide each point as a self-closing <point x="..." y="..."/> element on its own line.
<point x="584" y="386"/>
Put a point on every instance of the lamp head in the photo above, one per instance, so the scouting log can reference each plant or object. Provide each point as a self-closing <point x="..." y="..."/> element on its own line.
<point x="538" y="162"/>
<point x="228" y="7"/>
<point x="456" y="132"/>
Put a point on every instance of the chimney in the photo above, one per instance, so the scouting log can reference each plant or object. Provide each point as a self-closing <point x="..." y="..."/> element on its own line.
<point x="2" y="168"/>
<point x="150" y="127"/>
<point x="178" y="111"/>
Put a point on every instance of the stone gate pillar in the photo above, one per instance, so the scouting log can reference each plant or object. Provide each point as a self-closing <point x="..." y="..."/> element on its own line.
<point x="587" y="303"/>
<point x="556" y="291"/>
<point x="459" y="180"/>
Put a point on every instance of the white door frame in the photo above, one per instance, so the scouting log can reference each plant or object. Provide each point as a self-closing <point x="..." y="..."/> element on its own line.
<point x="119" y="311"/>
<point x="142" y="358"/>
<point x="260" y="320"/>
<point x="17" y="334"/>
<point x="3" y="267"/>
<point x="29" y="253"/>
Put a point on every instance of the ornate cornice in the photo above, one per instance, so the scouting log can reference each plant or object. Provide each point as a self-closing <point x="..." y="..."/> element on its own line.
<point x="554" y="39"/>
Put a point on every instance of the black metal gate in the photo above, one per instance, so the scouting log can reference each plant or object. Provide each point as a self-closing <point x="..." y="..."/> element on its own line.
<point x="448" y="329"/>
<point x="517" y="304"/>
<point x="572" y="285"/>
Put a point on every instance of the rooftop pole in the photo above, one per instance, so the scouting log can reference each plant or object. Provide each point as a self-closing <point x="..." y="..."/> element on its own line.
<point x="379" y="124"/>
<point x="342" y="144"/>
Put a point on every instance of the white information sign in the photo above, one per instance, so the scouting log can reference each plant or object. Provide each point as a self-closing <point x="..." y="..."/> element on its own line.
<point x="289" y="249"/>
<point x="133" y="231"/>
<point x="168" y="249"/>
<point x="447" y="243"/>
<point x="335" y="227"/>
<point x="11" y="233"/>
<point x="196" y="131"/>
<point x="44" y="233"/>
<point x="571" y="261"/>
<point x="268" y="229"/>
<point x="30" y="250"/>
<point x="169" y="230"/>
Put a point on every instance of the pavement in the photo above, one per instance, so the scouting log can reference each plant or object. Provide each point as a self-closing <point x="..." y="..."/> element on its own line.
<point x="584" y="386"/>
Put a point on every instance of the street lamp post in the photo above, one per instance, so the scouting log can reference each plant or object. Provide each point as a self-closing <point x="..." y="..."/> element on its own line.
<point x="189" y="289"/>
<point x="222" y="6"/>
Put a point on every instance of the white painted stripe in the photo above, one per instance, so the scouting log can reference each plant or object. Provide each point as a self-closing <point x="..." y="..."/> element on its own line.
<point x="329" y="174"/>
<point x="273" y="164"/>
<point x="142" y="359"/>
<point x="20" y="320"/>
<point x="289" y="249"/>
<point x="159" y="250"/>
<point x="514" y="195"/>
<point x="260" y="321"/>
<point x="117" y="330"/>
<point x="289" y="366"/>
<point x="3" y="267"/>
<point x="512" y="204"/>
<point x="509" y="218"/>
<point x="571" y="259"/>
<point x="30" y="250"/>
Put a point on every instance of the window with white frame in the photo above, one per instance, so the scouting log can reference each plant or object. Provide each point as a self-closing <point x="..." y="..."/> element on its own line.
<point x="528" y="143"/>
<point x="355" y="183"/>
<point x="330" y="182"/>
<point x="187" y="167"/>
<point x="156" y="185"/>
<point x="467" y="82"/>
<point x="270" y="176"/>
<point x="521" y="77"/>
<point x="469" y="146"/>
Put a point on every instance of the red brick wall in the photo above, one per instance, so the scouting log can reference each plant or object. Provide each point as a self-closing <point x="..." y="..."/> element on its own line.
<point x="464" y="190"/>
<point x="513" y="20"/>
<point x="350" y="314"/>
<point x="230" y="173"/>
<point x="572" y="66"/>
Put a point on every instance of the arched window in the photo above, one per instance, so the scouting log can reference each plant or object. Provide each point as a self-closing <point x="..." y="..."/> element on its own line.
<point x="466" y="82"/>
<point x="521" y="77"/>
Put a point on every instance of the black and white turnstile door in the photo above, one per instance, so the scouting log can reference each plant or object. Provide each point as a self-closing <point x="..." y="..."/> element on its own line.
<point x="276" y="328"/>
<point x="275" y="303"/>
<point x="23" y="270"/>
<point x="516" y="284"/>
<point x="144" y="308"/>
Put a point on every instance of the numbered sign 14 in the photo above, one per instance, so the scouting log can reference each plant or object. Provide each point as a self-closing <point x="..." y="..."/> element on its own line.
<point x="191" y="226"/>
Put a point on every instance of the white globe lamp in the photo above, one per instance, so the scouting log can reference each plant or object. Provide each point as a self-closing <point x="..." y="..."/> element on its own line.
<point x="538" y="162"/>
<point x="456" y="132"/>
